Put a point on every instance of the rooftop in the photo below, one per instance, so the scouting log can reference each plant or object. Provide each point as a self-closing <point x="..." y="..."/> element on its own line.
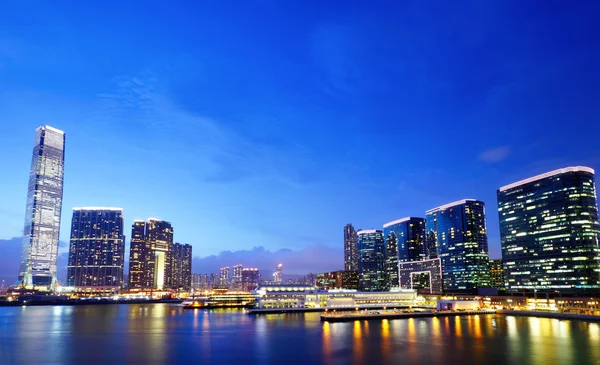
<point x="405" y="219"/>
<point x="547" y="174"/>
<point x="450" y="205"/>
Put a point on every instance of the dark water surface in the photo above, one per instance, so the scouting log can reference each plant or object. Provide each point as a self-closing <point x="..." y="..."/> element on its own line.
<point x="167" y="334"/>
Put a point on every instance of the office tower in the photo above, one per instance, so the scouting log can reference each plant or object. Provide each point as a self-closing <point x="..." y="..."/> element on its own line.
<point x="496" y="274"/>
<point x="350" y="248"/>
<point x="181" y="266"/>
<point x="340" y="279"/>
<point x="97" y="249"/>
<point x="197" y="282"/>
<point x="224" y="276"/>
<point x="250" y="278"/>
<point x="237" y="277"/>
<point x="459" y="239"/>
<point x="278" y="274"/>
<point x="150" y="255"/>
<point x="549" y="231"/>
<point x="424" y="275"/>
<point x="44" y="203"/>
<point x="404" y="242"/>
<point x="371" y="260"/>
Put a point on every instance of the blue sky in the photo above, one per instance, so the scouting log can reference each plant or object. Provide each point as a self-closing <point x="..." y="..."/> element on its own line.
<point x="275" y="123"/>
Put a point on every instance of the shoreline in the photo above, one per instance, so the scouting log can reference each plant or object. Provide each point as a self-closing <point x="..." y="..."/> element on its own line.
<point x="70" y="303"/>
<point x="570" y="316"/>
<point x="335" y="317"/>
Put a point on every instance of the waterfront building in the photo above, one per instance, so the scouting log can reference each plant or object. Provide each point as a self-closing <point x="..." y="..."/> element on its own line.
<point x="150" y="261"/>
<point x="549" y="232"/>
<point x="371" y="263"/>
<point x="181" y="266"/>
<point x="41" y="232"/>
<point x="350" y="248"/>
<point x="96" y="250"/>
<point x="224" y="277"/>
<point x="458" y="236"/>
<point x="496" y="274"/>
<point x="250" y="278"/>
<point x="278" y="274"/>
<point x="340" y="279"/>
<point x="423" y="276"/>
<point x="404" y="242"/>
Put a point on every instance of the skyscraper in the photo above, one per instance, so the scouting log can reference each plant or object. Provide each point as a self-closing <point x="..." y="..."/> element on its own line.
<point x="150" y="255"/>
<point x="371" y="260"/>
<point x="350" y="248"/>
<point x="549" y="231"/>
<point x="237" y="277"/>
<point x="224" y="276"/>
<point x="97" y="249"/>
<point x="250" y="277"/>
<point x="496" y="274"/>
<point x="44" y="203"/>
<point x="278" y="274"/>
<point x="404" y="242"/>
<point x="181" y="266"/>
<point x="458" y="237"/>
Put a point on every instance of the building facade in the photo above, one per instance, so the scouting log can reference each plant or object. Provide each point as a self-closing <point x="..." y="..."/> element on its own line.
<point x="424" y="276"/>
<point x="224" y="273"/>
<point x="340" y="279"/>
<point x="41" y="232"/>
<point x="549" y="231"/>
<point x="150" y="255"/>
<point x="459" y="238"/>
<point x="181" y="267"/>
<point x="496" y="274"/>
<point x="250" y="278"/>
<point x="236" y="279"/>
<point x="371" y="260"/>
<point x="404" y="242"/>
<point x="278" y="274"/>
<point x="96" y="250"/>
<point x="350" y="248"/>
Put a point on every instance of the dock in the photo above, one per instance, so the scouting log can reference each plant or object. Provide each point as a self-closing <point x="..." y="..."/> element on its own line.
<point x="348" y="317"/>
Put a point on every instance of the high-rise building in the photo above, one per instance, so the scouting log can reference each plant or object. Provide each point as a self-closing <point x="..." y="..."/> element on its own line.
<point x="340" y="279"/>
<point x="459" y="239"/>
<point x="350" y="248"/>
<point x="97" y="249"/>
<point x="278" y="274"/>
<point x="549" y="231"/>
<point x="236" y="279"/>
<point x="424" y="275"/>
<point x="44" y="204"/>
<point x="371" y="260"/>
<point x="181" y="266"/>
<point x="150" y="255"/>
<point x="404" y="242"/>
<point x="224" y="276"/>
<point x="250" y="278"/>
<point x="496" y="274"/>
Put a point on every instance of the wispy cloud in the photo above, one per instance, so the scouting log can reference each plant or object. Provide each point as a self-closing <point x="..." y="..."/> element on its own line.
<point x="495" y="154"/>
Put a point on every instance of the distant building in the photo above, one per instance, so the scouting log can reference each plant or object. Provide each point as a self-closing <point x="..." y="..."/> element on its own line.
<point x="457" y="235"/>
<point x="549" y="231"/>
<point x="96" y="250"/>
<point x="224" y="276"/>
<point x="150" y="255"/>
<point x="424" y="276"/>
<point x="340" y="279"/>
<point x="371" y="263"/>
<point x="404" y="242"/>
<point x="181" y="266"/>
<point x="237" y="277"/>
<point x="250" y="278"/>
<point x="350" y="248"/>
<point x="44" y="204"/>
<point x="278" y="274"/>
<point x="496" y="274"/>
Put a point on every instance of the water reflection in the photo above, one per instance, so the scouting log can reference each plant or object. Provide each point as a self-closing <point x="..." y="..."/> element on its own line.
<point x="357" y="343"/>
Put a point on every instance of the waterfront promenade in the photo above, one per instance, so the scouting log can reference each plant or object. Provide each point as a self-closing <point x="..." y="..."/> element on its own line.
<point x="347" y="317"/>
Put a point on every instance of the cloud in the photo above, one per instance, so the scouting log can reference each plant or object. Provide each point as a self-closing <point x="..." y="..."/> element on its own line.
<point x="494" y="154"/>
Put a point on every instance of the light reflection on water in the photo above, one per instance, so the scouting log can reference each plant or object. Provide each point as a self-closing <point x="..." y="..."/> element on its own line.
<point x="163" y="334"/>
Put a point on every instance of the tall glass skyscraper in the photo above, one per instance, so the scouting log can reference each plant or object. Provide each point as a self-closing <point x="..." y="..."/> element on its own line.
<point x="404" y="242"/>
<point x="97" y="249"/>
<point x="150" y="255"/>
<point x="457" y="234"/>
<point x="549" y="231"/>
<point x="371" y="260"/>
<point x="181" y="266"/>
<point x="44" y="203"/>
<point x="350" y="248"/>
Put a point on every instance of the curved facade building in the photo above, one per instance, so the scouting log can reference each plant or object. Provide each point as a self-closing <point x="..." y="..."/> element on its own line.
<point x="549" y="231"/>
<point x="404" y="242"/>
